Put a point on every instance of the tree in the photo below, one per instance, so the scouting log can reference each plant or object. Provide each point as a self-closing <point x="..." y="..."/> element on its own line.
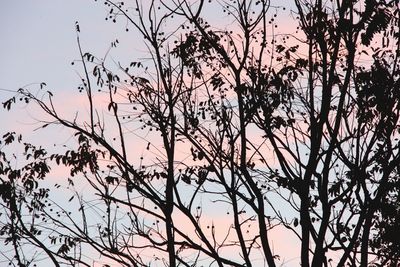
<point x="241" y="119"/>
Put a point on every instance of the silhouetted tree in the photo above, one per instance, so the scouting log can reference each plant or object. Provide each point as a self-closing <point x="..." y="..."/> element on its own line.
<point x="290" y="131"/>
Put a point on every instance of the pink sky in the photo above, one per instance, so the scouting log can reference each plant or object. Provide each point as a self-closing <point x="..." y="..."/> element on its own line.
<point x="38" y="45"/>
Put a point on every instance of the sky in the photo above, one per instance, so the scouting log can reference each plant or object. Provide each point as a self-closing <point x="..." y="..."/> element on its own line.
<point x="38" y="44"/>
<point x="39" y="40"/>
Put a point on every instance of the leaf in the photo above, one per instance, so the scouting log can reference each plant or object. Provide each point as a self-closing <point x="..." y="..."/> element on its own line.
<point x="201" y="155"/>
<point x="111" y="179"/>
<point x="186" y="178"/>
<point x="7" y="104"/>
<point x="287" y="54"/>
<point x="379" y="22"/>
<point x="202" y="176"/>
<point x="5" y="191"/>
<point x="9" y="137"/>
<point x="280" y="48"/>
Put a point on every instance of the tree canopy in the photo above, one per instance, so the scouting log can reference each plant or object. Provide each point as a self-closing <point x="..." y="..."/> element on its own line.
<point x="248" y="122"/>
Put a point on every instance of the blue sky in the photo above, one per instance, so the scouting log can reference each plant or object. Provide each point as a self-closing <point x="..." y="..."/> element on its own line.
<point x="38" y="44"/>
<point x="38" y="40"/>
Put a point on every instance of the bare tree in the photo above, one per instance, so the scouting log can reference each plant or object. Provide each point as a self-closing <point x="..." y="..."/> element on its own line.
<point x="238" y="117"/>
